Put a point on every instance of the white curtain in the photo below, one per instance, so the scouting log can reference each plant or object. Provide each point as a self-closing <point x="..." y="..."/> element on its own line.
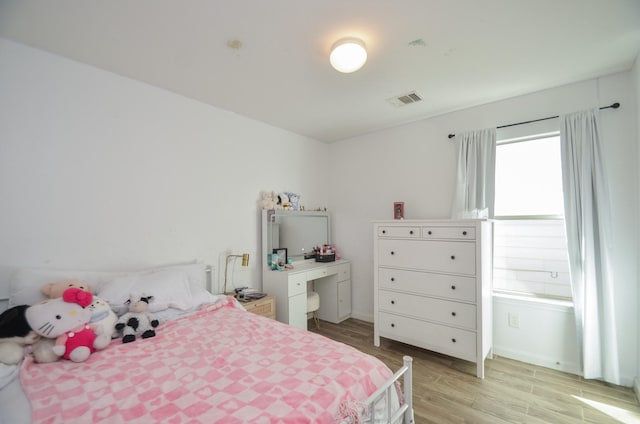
<point x="475" y="182"/>
<point x="588" y="226"/>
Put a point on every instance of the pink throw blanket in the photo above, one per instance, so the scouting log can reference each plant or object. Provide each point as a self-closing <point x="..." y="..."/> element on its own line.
<point x="220" y="365"/>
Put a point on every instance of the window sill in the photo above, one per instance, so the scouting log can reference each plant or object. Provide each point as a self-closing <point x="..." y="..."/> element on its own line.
<point x="536" y="300"/>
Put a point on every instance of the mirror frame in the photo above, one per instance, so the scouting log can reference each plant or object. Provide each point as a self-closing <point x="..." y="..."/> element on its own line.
<point x="268" y="215"/>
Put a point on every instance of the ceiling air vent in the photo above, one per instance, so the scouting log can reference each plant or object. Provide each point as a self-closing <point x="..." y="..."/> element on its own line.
<point x="405" y="99"/>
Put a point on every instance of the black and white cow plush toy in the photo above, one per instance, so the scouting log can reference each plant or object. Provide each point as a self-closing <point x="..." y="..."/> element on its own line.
<point x="137" y="322"/>
<point x="15" y="334"/>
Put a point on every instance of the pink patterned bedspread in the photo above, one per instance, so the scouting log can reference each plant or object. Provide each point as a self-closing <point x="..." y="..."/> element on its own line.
<point x="219" y="365"/>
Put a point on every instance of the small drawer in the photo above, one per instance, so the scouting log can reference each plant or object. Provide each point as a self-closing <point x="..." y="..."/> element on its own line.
<point x="344" y="272"/>
<point x="264" y="307"/>
<point x="297" y="284"/>
<point x="450" y="233"/>
<point x="322" y="272"/>
<point x="399" y="231"/>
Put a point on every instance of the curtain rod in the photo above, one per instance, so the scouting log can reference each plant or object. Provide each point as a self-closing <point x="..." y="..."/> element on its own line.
<point x="615" y="105"/>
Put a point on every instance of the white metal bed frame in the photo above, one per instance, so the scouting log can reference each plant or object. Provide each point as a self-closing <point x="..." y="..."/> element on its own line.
<point x="404" y="414"/>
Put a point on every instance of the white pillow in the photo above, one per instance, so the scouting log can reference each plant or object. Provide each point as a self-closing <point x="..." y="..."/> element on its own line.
<point x="197" y="282"/>
<point x="195" y="271"/>
<point x="26" y="284"/>
<point x="169" y="288"/>
<point x="170" y="313"/>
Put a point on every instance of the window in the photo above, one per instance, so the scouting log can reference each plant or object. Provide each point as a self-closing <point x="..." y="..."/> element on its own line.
<point x="530" y="247"/>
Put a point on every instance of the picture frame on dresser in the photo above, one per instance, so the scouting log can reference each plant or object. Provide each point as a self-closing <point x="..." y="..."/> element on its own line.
<point x="398" y="210"/>
<point x="281" y="255"/>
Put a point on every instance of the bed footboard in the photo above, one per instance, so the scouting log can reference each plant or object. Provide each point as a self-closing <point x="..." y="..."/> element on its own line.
<point x="404" y="412"/>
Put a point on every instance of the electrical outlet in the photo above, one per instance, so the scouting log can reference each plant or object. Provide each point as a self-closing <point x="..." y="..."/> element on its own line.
<point x="514" y="320"/>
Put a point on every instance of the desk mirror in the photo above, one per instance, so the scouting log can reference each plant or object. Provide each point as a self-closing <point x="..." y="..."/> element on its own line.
<point x="297" y="231"/>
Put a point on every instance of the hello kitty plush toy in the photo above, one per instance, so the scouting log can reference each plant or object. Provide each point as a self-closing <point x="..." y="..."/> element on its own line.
<point x="67" y="320"/>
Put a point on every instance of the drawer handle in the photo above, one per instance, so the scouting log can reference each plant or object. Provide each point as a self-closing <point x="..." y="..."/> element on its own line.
<point x="453" y="314"/>
<point x="393" y="279"/>
<point x="453" y="340"/>
<point x="429" y="232"/>
<point x="411" y="232"/>
<point x="393" y="302"/>
<point x="393" y="253"/>
<point x="453" y="287"/>
<point x="384" y="231"/>
<point x="453" y="258"/>
<point x="393" y="325"/>
<point x="464" y="233"/>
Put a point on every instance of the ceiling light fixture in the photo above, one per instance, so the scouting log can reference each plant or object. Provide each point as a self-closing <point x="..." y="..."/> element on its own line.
<point x="348" y="55"/>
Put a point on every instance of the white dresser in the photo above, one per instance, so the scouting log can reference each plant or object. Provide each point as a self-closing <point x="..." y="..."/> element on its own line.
<point x="432" y="286"/>
<point x="331" y="280"/>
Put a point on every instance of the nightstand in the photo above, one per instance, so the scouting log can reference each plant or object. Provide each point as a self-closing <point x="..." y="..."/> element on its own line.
<point x="265" y="306"/>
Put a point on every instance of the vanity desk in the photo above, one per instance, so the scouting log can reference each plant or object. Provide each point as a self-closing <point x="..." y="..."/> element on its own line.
<point x="298" y="232"/>
<point x="331" y="280"/>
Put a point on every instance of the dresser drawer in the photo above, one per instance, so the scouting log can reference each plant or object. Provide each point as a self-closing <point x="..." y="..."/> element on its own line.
<point x="452" y="233"/>
<point x="418" y="282"/>
<point x="445" y="256"/>
<point x="344" y="272"/>
<point x="443" y="311"/>
<point x="440" y="338"/>
<point x="399" y="231"/>
<point x="335" y="273"/>
<point x="322" y="272"/>
<point x="297" y="284"/>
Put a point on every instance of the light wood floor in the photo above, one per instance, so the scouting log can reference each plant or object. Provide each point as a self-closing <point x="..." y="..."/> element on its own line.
<point x="445" y="389"/>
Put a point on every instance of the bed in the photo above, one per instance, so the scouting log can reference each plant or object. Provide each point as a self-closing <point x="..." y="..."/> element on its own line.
<point x="210" y="362"/>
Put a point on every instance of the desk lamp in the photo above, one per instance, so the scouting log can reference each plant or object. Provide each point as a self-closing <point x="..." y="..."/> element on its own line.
<point x="245" y="262"/>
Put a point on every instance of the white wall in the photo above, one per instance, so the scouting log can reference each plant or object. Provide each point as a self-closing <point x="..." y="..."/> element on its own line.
<point x="99" y="171"/>
<point x="545" y="334"/>
<point x="415" y="163"/>
<point x="636" y="83"/>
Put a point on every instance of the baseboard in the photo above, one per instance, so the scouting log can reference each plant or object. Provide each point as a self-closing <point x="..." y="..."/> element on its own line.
<point x="362" y="317"/>
<point x="528" y="358"/>
<point x="636" y="388"/>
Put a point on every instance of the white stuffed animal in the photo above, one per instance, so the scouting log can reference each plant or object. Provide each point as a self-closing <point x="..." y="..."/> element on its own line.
<point x="137" y="322"/>
<point x="102" y="315"/>
<point x="268" y="200"/>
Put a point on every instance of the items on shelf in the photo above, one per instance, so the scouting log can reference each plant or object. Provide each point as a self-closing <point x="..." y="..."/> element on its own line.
<point x="285" y="200"/>
<point x="278" y="260"/>
<point x="326" y="253"/>
<point x="245" y="294"/>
